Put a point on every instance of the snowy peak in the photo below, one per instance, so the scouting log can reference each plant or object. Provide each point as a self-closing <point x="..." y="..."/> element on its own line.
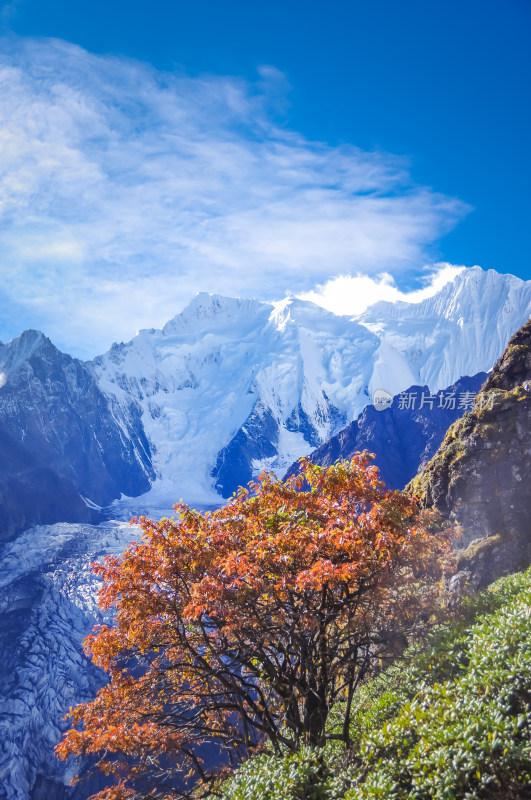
<point x="21" y="349"/>
<point x="458" y="331"/>
<point x="227" y="388"/>
<point x="305" y="314"/>
<point x="286" y="371"/>
<point x="230" y="386"/>
<point x="473" y="291"/>
<point x="213" y="311"/>
<point x="61" y="441"/>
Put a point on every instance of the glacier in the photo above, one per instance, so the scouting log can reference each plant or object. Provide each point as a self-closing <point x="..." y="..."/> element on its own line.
<point x="225" y="389"/>
<point x="226" y="365"/>
<point x="47" y="607"/>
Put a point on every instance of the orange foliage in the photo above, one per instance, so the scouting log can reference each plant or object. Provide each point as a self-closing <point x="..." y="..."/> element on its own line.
<point x="243" y="626"/>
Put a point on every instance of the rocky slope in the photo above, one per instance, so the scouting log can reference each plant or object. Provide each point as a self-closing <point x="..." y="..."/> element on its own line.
<point x="403" y="436"/>
<point x="66" y="449"/>
<point x="176" y="399"/>
<point x="479" y="477"/>
<point x="32" y="493"/>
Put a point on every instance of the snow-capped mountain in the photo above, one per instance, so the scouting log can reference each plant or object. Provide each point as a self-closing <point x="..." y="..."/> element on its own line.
<point x="65" y="448"/>
<point x="404" y="435"/>
<point x="229" y="387"/>
<point x="461" y="330"/>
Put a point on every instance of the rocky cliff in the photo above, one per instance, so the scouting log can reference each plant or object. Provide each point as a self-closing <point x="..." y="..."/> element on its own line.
<point x="479" y="477"/>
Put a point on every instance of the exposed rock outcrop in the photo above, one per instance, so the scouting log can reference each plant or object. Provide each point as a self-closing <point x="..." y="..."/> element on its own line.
<point x="31" y="493"/>
<point x="479" y="477"/>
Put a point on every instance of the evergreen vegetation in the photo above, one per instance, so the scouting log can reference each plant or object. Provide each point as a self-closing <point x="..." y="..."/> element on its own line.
<point x="231" y="625"/>
<point x="448" y="721"/>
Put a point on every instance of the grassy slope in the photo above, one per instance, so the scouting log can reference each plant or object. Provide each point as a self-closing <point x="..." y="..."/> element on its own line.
<point x="450" y="722"/>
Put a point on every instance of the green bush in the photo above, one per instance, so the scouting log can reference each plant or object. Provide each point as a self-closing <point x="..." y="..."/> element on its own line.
<point x="450" y="720"/>
<point x="300" y="776"/>
<point x="464" y="737"/>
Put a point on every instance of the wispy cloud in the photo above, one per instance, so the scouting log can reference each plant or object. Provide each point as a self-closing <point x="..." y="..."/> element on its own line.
<point x="124" y="191"/>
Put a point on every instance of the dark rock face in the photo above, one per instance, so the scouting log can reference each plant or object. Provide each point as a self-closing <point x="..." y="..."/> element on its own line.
<point x="402" y="438"/>
<point x="46" y="788"/>
<point x="479" y="477"/>
<point x="255" y="440"/>
<point x="31" y="493"/>
<point x="60" y="438"/>
<point x="299" y="422"/>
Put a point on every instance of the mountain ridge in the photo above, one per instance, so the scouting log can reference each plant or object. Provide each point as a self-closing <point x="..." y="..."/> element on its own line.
<point x="47" y="590"/>
<point x="229" y="387"/>
<point x="301" y="373"/>
<point x="72" y="453"/>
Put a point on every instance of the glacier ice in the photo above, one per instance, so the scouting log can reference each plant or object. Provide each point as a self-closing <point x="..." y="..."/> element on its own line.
<point x="47" y="606"/>
<point x="231" y="386"/>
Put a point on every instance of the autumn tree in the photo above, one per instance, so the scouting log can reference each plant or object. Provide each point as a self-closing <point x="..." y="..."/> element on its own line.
<point x="242" y="627"/>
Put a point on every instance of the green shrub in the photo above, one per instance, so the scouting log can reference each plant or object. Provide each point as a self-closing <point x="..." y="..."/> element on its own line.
<point x="450" y="720"/>
<point x="467" y="735"/>
<point x="300" y="776"/>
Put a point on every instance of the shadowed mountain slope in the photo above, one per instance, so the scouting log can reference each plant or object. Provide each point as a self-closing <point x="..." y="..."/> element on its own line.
<point x="64" y="448"/>
<point x="404" y="436"/>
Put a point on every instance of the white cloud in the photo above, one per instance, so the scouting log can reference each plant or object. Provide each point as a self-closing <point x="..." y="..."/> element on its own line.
<point x="352" y="294"/>
<point x="124" y="191"/>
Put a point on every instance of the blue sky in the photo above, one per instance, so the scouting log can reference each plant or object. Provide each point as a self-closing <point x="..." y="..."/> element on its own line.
<point x="152" y="150"/>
